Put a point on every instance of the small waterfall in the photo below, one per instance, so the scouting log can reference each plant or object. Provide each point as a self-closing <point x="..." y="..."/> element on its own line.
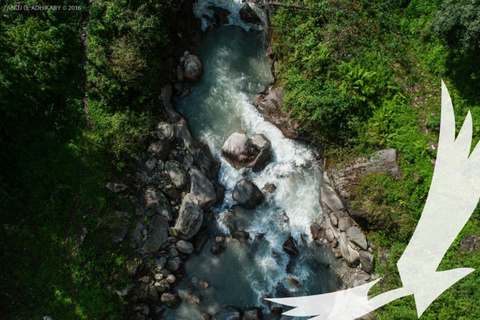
<point x="203" y="10"/>
<point x="236" y="69"/>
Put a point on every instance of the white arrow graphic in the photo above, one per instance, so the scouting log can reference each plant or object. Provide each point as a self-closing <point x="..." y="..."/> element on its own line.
<point x="453" y="195"/>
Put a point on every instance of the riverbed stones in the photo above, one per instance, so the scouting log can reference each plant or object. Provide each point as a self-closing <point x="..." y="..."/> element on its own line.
<point x="366" y="261"/>
<point x="248" y="15"/>
<point x="344" y="223"/>
<point x="173" y="264"/>
<point x="357" y="237"/>
<point x="330" y="198"/>
<point x="189" y="219"/>
<point x="228" y="313"/>
<point x="348" y="253"/>
<point x="176" y="173"/>
<point x="184" y="246"/>
<point x="247" y="194"/>
<point x="157" y="202"/>
<point x="171" y="300"/>
<point x="202" y="191"/>
<point x="159" y="150"/>
<point x="165" y="132"/>
<point x="193" y="68"/>
<point x="157" y="234"/>
<point x="241" y="151"/>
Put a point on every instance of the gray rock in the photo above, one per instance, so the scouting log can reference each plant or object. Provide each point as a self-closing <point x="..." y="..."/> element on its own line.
<point x="193" y="68"/>
<point x="189" y="220"/>
<point x="269" y="107"/>
<point x="159" y="149"/>
<point x="330" y="198"/>
<point x="229" y="313"/>
<point x="201" y="155"/>
<point x="345" y="179"/>
<point x="176" y="173"/>
<point x="165" y="132"/>
<point x="247" y="194"/>
<point x="357" y="237"/>
<point x="361" y="278"/>
<point x="241" y="151"/>
<point x="351" y="256"/>
<point x="290" y="246"/>
<point x="315" y="231"/>
<point x="157" y="234"/>
<point x="156" y="201"/>
<point x="344" y="223"/>
<point x="202" y="191"/>
<point x="116" y="187"/>
<point x="329" y="235"/>
<point x="262" y="146"/>
<point x="248" y="15"/>
<point x="138" y="233"/>
<point x="173" y="264"/>
<point x="238" y="150"/>
<point x="367" y="261"/>
<point x="171" y="300"/>
<point x="334" y="219"/>
<point x="185" y="246"/>
<point x="161" y="263"/>
<point x="151" y="164"/>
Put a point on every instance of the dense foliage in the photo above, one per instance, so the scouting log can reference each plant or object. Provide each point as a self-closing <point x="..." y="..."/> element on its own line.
<point x="365" y="75"/>
<point x="77" y="91"/>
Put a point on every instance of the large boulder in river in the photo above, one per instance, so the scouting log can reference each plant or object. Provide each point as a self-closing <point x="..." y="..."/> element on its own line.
<point x="229" y="313"/>
<point x="248" y="15"/>
<point x="247" y="194"/>
<point x="241" y="151"/>
<point x="193" y="68"/>
<point x="189" y="220"/>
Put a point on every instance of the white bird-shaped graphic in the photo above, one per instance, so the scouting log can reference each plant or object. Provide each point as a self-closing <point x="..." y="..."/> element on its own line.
<point x="452" y="198"/>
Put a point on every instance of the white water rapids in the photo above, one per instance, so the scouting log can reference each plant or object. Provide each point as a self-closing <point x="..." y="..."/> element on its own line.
<point x="236" y="69"/>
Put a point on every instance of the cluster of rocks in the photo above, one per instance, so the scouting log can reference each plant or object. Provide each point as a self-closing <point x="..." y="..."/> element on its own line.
<point x="189" y="71"/>
<point x="269" y="106"/>
<point x="338" y="228"/>
<point x="221" y="15"/>
<point x="171" y="189"/>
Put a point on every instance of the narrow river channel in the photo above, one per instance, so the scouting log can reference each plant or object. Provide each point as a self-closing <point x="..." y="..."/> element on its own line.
<point x="236" y="69"/>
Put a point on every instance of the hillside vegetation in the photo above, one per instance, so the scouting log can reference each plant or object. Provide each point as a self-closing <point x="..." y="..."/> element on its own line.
<point x="77" y="102"/>
<point x="365" y="75"/>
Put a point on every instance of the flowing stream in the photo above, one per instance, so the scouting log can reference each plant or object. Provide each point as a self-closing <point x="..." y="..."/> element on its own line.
<point x="236" y="69"/>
